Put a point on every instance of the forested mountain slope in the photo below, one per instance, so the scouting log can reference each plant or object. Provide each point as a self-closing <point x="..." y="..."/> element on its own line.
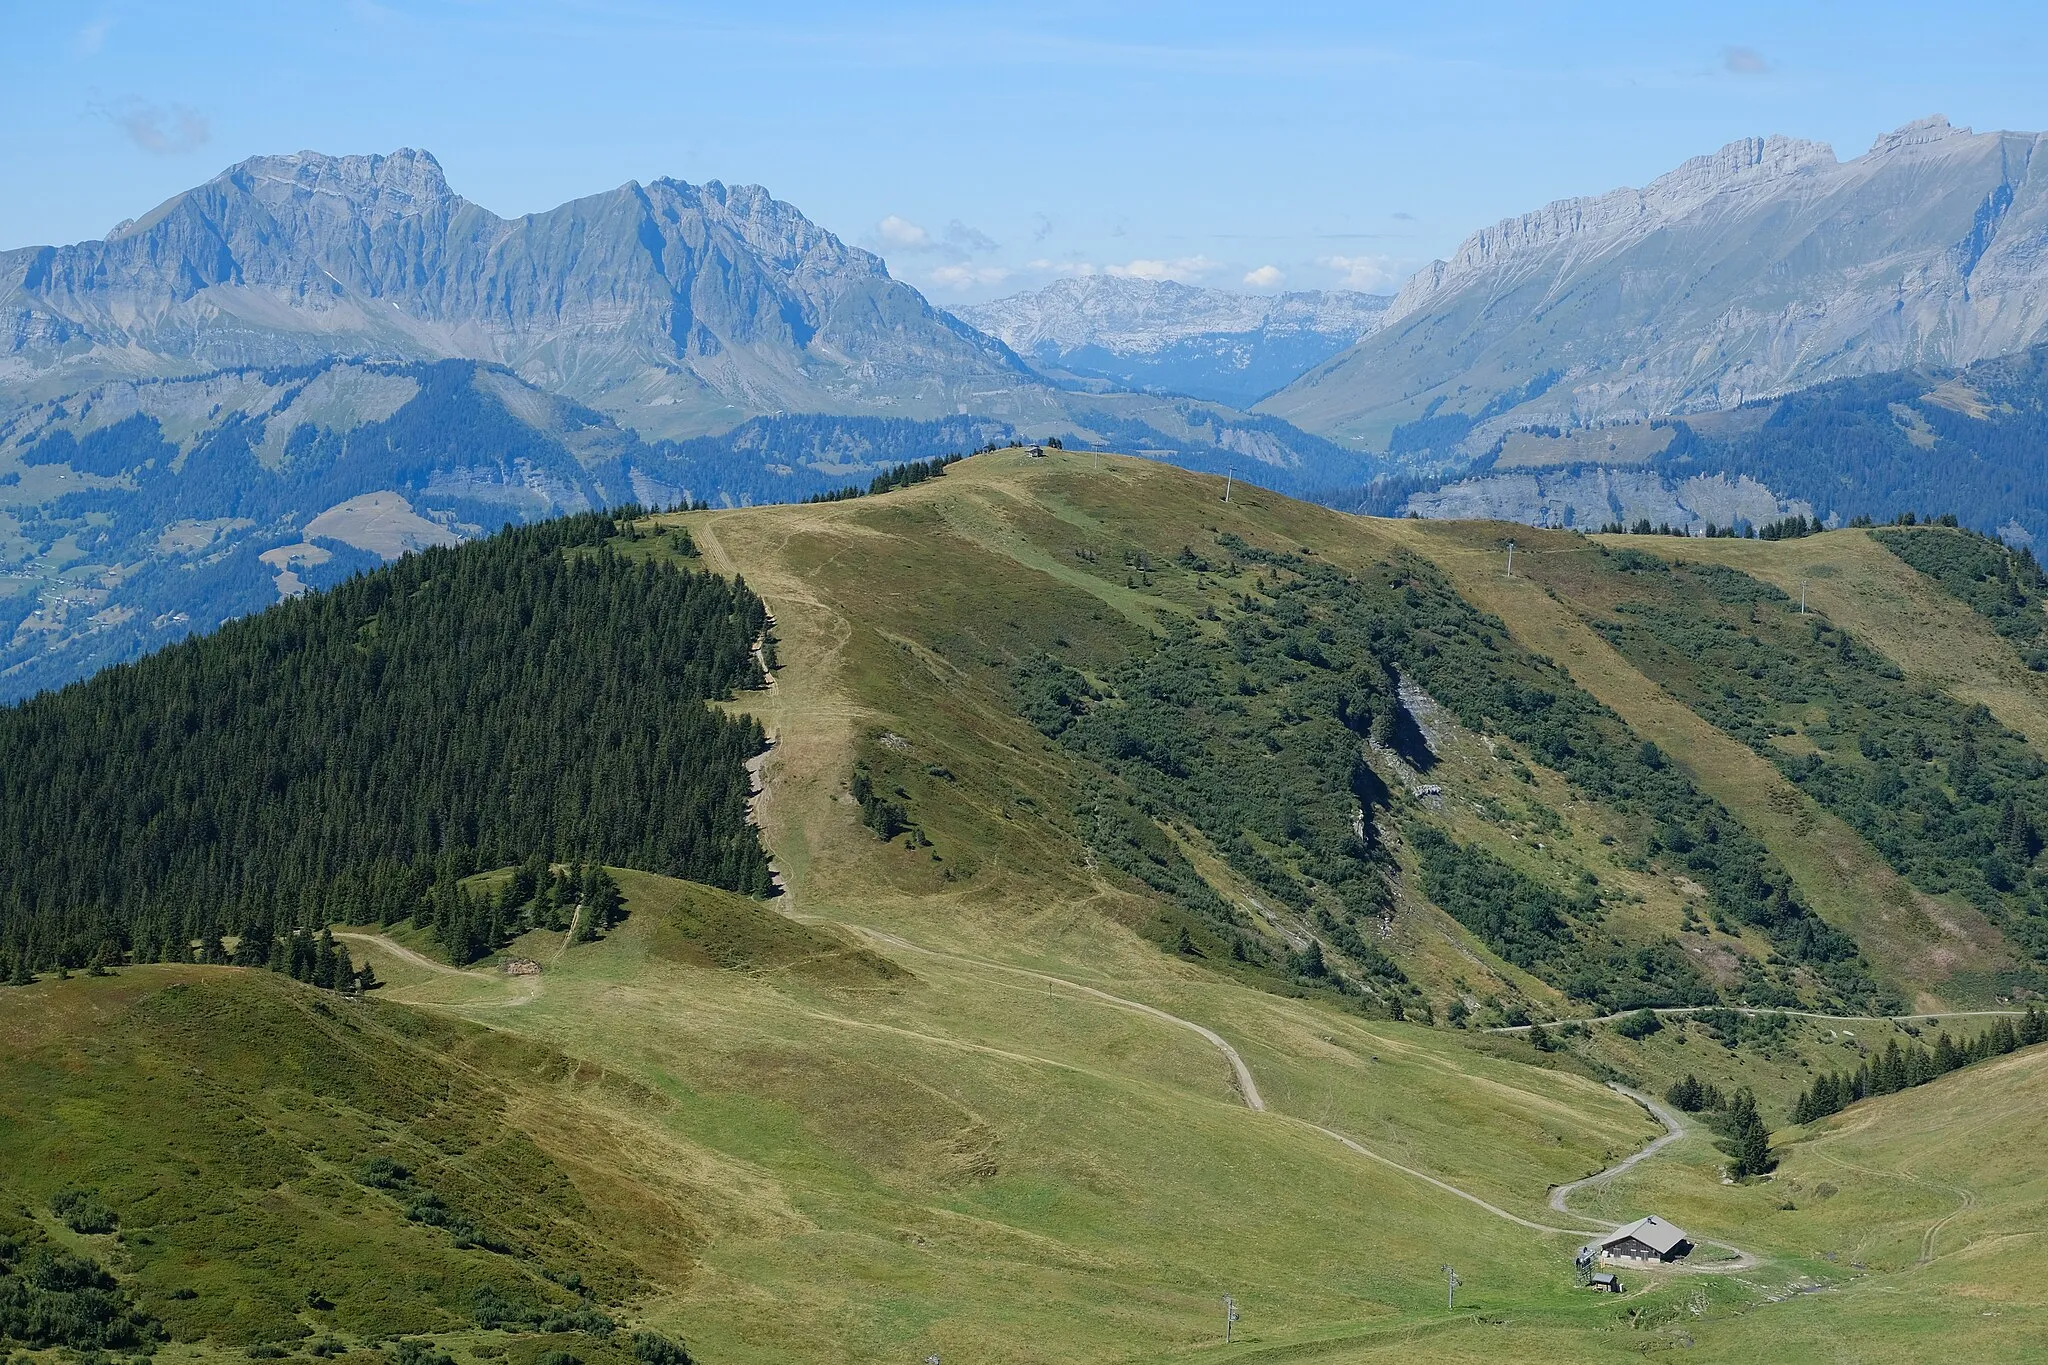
<point x="335" y="757"/>
<point x="1931" y="440"/>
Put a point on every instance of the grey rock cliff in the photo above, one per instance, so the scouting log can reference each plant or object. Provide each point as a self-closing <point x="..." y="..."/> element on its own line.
<point x="1764" y="267"/>
<point x="677" y="307"/>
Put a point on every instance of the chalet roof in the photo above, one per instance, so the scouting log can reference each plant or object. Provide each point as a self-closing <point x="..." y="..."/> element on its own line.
<point x="1652" y="1232"/>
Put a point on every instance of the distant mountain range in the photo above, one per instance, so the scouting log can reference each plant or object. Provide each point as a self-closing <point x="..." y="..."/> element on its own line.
<point x="677" y="309"/>
<point x="1763" y="268"/>
<point x="1162" y="336"/>
<point x="313" y="362"/>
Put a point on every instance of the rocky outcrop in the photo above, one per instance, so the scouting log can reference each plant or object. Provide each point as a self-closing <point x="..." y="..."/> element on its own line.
<point x="1764" y="267"/>
<point x="1588" y="498"/>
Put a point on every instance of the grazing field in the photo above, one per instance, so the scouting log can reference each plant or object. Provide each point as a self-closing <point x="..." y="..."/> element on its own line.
<point x="1070" y="1019"/>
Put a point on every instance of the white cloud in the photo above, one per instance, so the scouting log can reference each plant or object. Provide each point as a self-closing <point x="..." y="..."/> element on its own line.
<point x="965" y="238"/>
<point x="155" y="128"/>
<point x="1186" y="269"/>
<point x="93" y="37"/>
<point x="1363" y="272"/>
<point x="1265" y="277"/>
<point x="958" y="277"/>
<point x="957" y="245"/>
<point x="903" y="234"/>
<point x="1744" y="61"/>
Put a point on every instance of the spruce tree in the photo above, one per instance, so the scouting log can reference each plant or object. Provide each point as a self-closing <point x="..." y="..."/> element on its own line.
<point x="1750" y="1147"/>
<point x="2034" y="1028"/>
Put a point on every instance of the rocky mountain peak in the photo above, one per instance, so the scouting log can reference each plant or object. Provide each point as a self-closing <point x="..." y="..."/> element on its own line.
<point x="1919" y="133"/>
<point x="1764" y="266"/>
<point x="681" y="308"/>
<point x="1746" y="165"/>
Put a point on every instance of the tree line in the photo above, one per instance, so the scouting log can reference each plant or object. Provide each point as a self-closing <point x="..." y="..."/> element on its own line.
<point x="1900" y="1068"/>
<point x="335" y="757"/>
<point x="1744" y="1137"/>
<point x="902" y="476"/>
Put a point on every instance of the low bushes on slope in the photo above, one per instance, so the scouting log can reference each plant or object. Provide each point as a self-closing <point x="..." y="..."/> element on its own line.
<point x="1250" y="726"/>
<point x="2005" y="587"/>
<point x="283" y="1166"/>
<point x="1953" y="800"/>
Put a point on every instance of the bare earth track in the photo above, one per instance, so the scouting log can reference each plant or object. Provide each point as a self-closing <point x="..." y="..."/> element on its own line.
<point x="1248" y="1090"/>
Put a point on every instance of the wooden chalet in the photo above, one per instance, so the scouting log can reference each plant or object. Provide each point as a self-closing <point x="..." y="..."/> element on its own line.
<point x="1647" y="1241"/>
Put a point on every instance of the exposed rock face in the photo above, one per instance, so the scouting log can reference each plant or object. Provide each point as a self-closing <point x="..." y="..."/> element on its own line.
<point x="677" y="307"/>
<point x="1764" y="267"/>
<point x="1170" y="337"/>
<point x="1588" y="498"/>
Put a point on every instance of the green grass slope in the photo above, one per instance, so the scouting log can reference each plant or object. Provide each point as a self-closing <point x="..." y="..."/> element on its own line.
<point x="965" y="1090"/>
<point x="289" y="1169"/>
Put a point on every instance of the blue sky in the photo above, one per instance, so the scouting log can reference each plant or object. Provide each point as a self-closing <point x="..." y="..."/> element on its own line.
<point x="988" y="148"/>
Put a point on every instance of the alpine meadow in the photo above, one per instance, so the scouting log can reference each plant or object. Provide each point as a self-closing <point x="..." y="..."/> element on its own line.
<point x="1171" y="898"/>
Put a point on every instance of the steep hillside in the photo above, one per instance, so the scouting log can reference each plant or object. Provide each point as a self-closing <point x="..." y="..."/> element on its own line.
<point x="1154" y="871"/>
<point x="1764" y="267"/>
<point x="263" y="1167"/>
<point x="337" y="756"/>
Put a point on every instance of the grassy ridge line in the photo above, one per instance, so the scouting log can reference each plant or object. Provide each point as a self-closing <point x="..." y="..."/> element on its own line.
<point x="1909" y="937"/>
<point x="1004" y="513"/>
<point x="1858" y="583"/>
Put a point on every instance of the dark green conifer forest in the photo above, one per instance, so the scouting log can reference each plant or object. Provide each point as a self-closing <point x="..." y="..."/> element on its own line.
<point x="530" y="695"/>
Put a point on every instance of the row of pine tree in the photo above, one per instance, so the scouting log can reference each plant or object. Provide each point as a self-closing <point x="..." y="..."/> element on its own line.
<point x="1901" y="1068"/>
<point x="350" y="756"/>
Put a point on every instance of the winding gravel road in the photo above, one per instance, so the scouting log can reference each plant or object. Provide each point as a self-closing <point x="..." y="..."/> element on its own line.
<point x="1248" y="1090"/>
